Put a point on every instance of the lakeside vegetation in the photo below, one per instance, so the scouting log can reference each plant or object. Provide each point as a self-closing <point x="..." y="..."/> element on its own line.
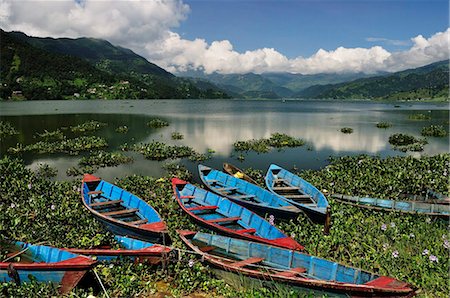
<point x="413" y="248"/>
<point x="276" y="140"/>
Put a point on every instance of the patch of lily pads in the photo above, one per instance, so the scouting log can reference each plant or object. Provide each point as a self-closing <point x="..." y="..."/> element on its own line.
<point x="177" y="136"/>
<point x="276" y="140"/>
<point x="122" y="129"/>
<point x="51" y="135"/>
<point x="160" y="151"/>
<point x="6" y="129"/>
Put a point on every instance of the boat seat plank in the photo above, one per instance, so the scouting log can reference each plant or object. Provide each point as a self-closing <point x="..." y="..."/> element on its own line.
<point x="202" y="208"/>
<point x="247" y="262"/>
<point x="243" y="197"/>
<point x="285" y="188"/>
<point x="298" y="196"/>
<point x="106" y="203"/>
<point x="292" y="272"/>
<point x="121" y="212"/>
<point x="249" y="231"/>
<point x="212" y="181"/>
<point x="223" y="219"/>
<point x="95" y="192"/>
<point x="187" y="197"/>
<point x="279" y="180"/>
<point x="138" y="222"/>
<point x="207" y="248"/>
<point x="222" y="189"/>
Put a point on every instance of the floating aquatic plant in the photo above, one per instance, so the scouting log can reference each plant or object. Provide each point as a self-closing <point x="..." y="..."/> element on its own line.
<point x="384" y="124"/>
<point x="89" y="126"/>
<point x="434" y="131"/>
<point x="105" y="159"/>
<point x="6" y="129"/>
<point x="404" y="142"/>
<point x="122" y="129"/>
<point x="419" y="116"/>
<point x="157" y="123"/>
<point x="160" y="151"/>
<point x="177" y="136"/>
<point x="276" y="140"/>
<point x="347" y="130"/>
<point x="51" y="135"/>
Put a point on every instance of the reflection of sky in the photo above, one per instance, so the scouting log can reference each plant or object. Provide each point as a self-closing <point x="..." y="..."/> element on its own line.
<point x="216" y="125"/>
<point x="320" y="131"/>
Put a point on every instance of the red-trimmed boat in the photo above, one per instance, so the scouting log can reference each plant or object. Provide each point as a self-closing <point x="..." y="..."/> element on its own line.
<point x="44" y="264"/>
<point x="122" y="212"/>
<point x="222" y="215"/>
<point x="307" y="273"/>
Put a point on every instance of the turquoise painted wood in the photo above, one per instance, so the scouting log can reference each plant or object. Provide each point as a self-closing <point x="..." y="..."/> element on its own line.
<point x="45" y="264"/>
<point x="297" y="191"/>
<point x="122" y="212"/>
<point x="419" y="207"/>
<point x="246" y="194"/>
<point x="267" y="262"/>
<point x="205" y="207"/>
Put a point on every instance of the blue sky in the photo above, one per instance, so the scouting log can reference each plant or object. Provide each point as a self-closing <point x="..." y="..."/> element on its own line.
<point x="300" y="28"/>
<point x="240" y="36"/>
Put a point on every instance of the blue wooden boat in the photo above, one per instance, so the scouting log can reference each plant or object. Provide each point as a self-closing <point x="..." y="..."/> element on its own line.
<point x="266" y="262"/>
<point x="298" y="192"/>
<point x="134" y="249"/>
<point x="44" y="264"/>
<point x="246" y="194"/>
<point x="413" y="207"/>
<point x="220" y="214"/>
<point x="122" y="212"/>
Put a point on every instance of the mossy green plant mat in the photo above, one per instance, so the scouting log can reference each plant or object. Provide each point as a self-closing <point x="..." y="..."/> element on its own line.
<point x="276" y="140"/>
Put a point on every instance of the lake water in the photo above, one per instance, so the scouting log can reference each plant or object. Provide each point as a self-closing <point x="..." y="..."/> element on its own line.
<point x="217" y="124"/>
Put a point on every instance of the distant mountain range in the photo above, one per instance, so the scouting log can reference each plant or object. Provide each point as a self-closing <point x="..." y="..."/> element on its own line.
<point x="427" y="82"/>
<point x="86" y="68"/>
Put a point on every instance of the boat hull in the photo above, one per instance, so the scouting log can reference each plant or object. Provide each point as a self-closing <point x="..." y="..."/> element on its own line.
<point x="262" y="201"/>
<point x="118" y="210"/>
<point x="253" y="227"/>
<point x="266" y="262"/>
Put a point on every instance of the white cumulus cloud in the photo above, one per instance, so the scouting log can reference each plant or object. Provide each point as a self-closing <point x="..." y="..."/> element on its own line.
<point x="146" y="26"/>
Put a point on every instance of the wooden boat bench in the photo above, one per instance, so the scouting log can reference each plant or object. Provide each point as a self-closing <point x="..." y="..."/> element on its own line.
<point x="246" y="262"/>
<point x="202" y="208"/>
<point x="244" y="197"/>
<point x="123" y="212"/>
<point x="285" y="188"/>
<point x="207" y="248"/>
<point x="292" y="272"/>
<point x="226" y="189"/>
<point x="223" y="219"/>
<point x="106" y="203"/>
<point x="138" y="222"/>
<point x="95" y="194"/>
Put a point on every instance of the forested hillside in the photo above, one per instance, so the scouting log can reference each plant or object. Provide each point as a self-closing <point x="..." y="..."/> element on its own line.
<point x="31" y="73"/>
<point x="427" y="82"/>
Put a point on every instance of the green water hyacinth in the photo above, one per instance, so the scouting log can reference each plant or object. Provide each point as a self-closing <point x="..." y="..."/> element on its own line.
<point x="51" y="135"/>
<point x="157" y="123"/>
<point x="419" y="116"/>
<point x="383" y="125"/>
<point x="177" y="136"/>
<point x="6" y="129"/>
<point x="89" y="126"/>
<point x="434" y="131"/>
<point x="122" y="129"/>
<point x="276" y="140"/>
<point x="347" y="130"/>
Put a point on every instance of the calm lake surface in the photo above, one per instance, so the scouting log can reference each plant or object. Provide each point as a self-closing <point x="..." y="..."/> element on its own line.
<point x="217" y="124"/>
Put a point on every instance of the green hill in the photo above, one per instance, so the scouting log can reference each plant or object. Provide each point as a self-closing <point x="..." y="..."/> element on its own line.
<point x="34" y="72"/>
<point x="427" y="82"/>
<point x="99" y="52"/>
